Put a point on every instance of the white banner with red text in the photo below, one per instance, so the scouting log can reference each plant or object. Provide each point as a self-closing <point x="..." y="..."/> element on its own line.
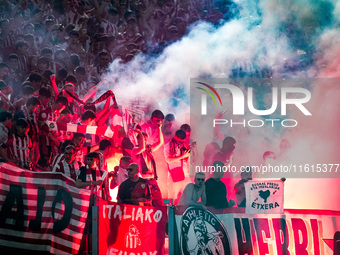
<point x="129" y="229"/>
<point x="228" y="231"/>
<point x="41" y="212"/>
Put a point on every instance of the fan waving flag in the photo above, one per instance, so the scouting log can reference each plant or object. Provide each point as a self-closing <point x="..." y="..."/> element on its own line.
<point x="116" y="121"/>
<point x="132" y="115"/>
<point x="41" y="212"/>
<point x="264" y="196"/>
<point x="74" y="128"/>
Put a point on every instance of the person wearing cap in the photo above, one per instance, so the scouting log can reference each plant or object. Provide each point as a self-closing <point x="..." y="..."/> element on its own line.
<point x="49" y="21"/>
<point x="132" y="32"/>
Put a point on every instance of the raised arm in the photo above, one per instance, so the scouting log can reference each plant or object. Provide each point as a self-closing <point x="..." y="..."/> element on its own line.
<point x="160" y="141"/>
<point x="141" y="144"/>
<point x="54" y="86"/>
<point x="81" y="184"/>
<point x="171" y="159"/>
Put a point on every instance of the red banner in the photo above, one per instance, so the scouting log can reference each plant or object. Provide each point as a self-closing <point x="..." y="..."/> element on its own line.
<point x="42" y="212"/>
<point x="129" y="229"/>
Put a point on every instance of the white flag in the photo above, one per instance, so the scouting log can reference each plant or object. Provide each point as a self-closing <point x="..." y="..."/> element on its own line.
<point x="264" y="196"/>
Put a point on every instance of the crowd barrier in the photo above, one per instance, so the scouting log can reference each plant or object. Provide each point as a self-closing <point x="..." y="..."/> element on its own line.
<point x="231" y="231"/>
<point x="44" y="213"/>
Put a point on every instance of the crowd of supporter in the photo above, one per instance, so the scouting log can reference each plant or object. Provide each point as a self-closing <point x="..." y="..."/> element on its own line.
<point x="43" y="35"/>
<point x="52" y="56"/>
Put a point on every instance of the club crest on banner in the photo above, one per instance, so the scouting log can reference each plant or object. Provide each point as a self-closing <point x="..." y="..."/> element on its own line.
<point x="131" y="116"/>
<point x="203" y="233"/>
<point x="132" y="239"/>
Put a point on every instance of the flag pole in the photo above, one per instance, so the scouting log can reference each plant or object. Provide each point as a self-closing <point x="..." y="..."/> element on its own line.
<point x="95" y="226"/>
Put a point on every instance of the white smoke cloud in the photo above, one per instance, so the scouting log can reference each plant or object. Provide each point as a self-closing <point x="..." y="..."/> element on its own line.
<point x="289" y="37"/>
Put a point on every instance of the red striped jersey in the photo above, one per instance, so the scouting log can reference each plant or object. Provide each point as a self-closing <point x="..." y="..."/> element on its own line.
<point x="8" y="41"/>
<point x="102" y="162"/>
<point x="71" y="170"/>
<point x="57" y="159"/>
<point x="23" y="63"/>
<point x="19" y="148"/>
<point x="86" y="176"/>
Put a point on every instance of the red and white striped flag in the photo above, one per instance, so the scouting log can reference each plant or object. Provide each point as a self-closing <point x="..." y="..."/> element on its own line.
<point x="74" y="128"/>
<point x="115" y="122"/>
<point x="42" y="212"/>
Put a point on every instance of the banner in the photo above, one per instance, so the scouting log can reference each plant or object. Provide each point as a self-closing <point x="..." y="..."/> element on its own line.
<point x="85" y="129"/>
<point x="132" y="115"/>
<point x="128" y="229"/>
<point x="42" y="212"/>
<point x="115" y="123"/>
<point x="264" y="196"/>
<point x="298" y="232"/>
